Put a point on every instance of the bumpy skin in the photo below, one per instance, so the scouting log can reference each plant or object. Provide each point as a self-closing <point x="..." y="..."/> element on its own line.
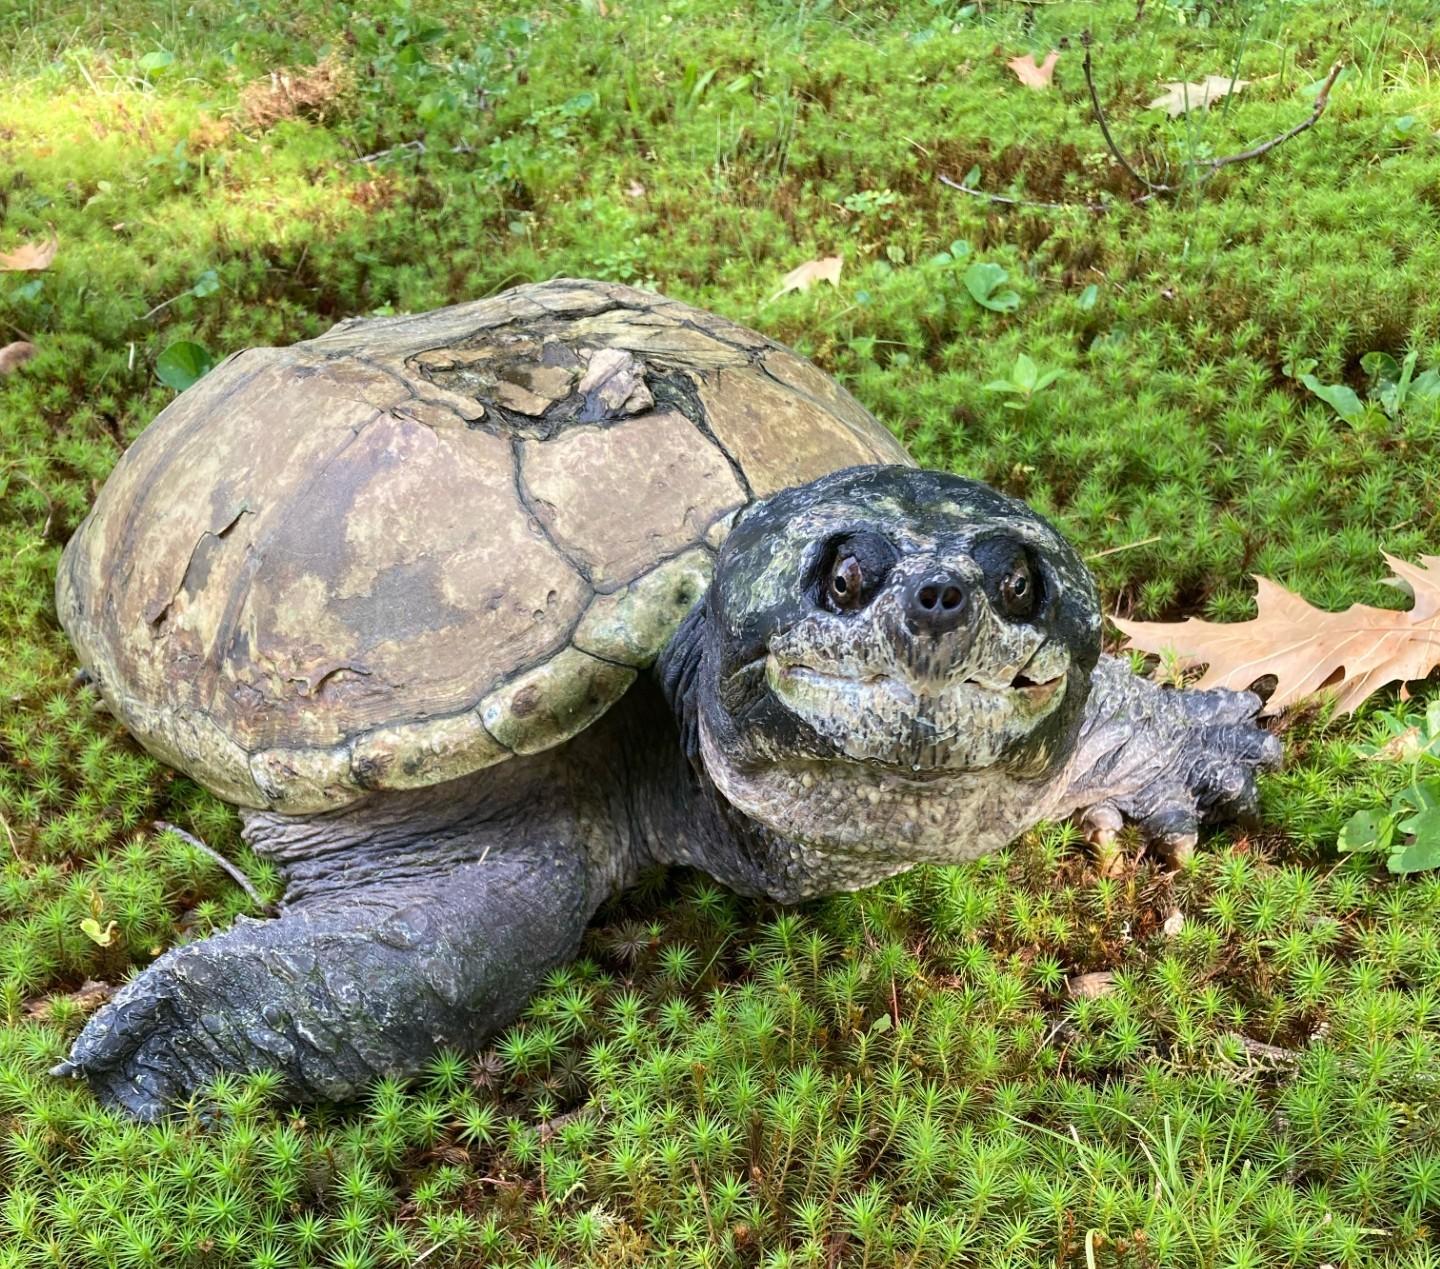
<point x="787" y="746"/>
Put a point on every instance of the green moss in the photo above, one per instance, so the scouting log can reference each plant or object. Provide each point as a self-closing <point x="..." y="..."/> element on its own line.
<point x="898" y="1077"/>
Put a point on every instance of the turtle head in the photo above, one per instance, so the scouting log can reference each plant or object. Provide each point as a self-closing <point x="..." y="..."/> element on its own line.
<point x="911" y="634"/>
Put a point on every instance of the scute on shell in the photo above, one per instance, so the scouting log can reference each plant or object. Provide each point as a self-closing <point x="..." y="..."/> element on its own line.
<point x="409" y="548"/>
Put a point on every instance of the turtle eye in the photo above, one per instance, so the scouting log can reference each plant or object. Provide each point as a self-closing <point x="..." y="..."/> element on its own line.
<point x="852" y="569"/>
<point x="847" y="583"/>
<point x="1018" y="590"/>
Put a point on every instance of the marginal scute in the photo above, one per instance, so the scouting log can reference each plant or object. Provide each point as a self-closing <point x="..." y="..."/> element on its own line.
<point x="304" y="780"/>
<point x="634" y="624"/>
<point x="382" y="558"/>
<point x="205" y="744"/>
<point x="415" y="755"/>
<point x="554" y="701"/>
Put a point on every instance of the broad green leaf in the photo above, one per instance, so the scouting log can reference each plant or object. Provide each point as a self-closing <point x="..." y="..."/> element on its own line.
<point x="1423" y="850"/>
<point x="1421" y="797"/>
<point x="1337" y="396"/>
<point x="1087" y="298"/>
<point x="1381" y="366"/>
<point x="157" y="59"/>
<point x="1367" y="830"/>
<point x="183" y="364"/>
<point x="985" y="281"/>
<point x="1426" y="385"/>
<point x="206" y="284"/>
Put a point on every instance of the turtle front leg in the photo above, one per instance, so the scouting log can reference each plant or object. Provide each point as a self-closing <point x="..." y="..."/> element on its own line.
<point x="364" y="977"/>
<point x="1164" y="759"/>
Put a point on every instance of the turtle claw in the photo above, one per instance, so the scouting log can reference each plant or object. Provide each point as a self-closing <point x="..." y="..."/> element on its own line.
<point x="1171" y="761"/>
<point x="136" y="1053"/>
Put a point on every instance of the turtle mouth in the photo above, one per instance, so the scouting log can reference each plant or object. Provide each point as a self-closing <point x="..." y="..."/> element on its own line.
<point x="883" y="719"/>
<point x="1033" y="692"/>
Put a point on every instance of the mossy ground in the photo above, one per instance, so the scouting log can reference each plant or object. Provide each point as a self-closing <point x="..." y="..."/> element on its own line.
<point x="898" y="1077"/>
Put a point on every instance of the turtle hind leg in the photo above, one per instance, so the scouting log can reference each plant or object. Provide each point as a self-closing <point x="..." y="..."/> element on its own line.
<point x="361" y="979"/>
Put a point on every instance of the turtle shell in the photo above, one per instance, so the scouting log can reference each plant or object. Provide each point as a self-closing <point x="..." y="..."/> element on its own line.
<point x="415" y="546"/>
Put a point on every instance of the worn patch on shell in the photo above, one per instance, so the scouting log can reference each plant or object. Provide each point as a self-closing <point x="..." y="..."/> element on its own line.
<point x="554" y="701"/>
<point x="536" y="388"/>
<point x="622" y="497"/>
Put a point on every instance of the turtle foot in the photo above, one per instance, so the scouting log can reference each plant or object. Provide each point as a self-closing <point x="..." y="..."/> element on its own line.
<point x="1168" y="762"/>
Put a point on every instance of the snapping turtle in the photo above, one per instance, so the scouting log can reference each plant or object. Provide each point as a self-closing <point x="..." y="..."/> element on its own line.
<point x="458" y="608"/>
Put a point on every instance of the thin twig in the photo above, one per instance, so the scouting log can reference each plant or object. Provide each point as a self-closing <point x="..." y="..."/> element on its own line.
<point x="1322" y="100"/>
<point x="1115" y="550"/>
<point x="1208" y="166"/>
<point x="12" y="469"/>
<point x="1099" y="111"/>
<point x="239" y="877"/>
<point x="417" y="146"/>
<point x="1021" y="202"/>
<point x="164" y="304"/>
<point x="1266" y="1052"/>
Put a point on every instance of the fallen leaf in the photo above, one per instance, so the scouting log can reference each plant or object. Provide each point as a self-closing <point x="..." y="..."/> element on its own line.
<point x="635" y="190"/>
<point x="826" y="269"/>
<point x="1092" y="986"/>
<point x="1180" y="98"/>
<point x="31" y="258"/>
<point x="88" y="997"/>
<point x="15" y="355"/>
<point x="1405" y="747"/>
<point x="1354" y="653"/>
<point x="1174" y="923"/>
<point x="1031" y="74"/>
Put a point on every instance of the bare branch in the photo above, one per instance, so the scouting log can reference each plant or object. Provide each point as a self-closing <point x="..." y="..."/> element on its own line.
<point x="1321" y="101"/>
<point x="417" y="146"/>
<point x="1099" y="111"/>
<point x="1208" y="167"/>
<point x="239" y="877"/>
<point x="1021" y="202"/>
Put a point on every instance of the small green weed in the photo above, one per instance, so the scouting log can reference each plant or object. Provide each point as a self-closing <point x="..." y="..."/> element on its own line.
<point x="1408" y="832"/>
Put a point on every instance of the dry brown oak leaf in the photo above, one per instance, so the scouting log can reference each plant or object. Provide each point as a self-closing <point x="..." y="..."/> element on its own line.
<point x="806" y="275"/>
<point x="31" y="257"/>
<point x="1352" y="653"/>
<point x="1032" y="74"/>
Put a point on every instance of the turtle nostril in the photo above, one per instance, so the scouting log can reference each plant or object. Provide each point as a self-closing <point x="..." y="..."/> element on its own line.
<point x="936" y="602"/>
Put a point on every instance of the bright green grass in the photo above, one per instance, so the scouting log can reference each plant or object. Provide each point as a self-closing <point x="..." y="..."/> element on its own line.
<point x="893" y="1078"/>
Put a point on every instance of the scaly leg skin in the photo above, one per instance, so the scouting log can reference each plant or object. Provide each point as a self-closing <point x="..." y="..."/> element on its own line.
<point x="351" y="983"/>
<point x="1166" y="760"/>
